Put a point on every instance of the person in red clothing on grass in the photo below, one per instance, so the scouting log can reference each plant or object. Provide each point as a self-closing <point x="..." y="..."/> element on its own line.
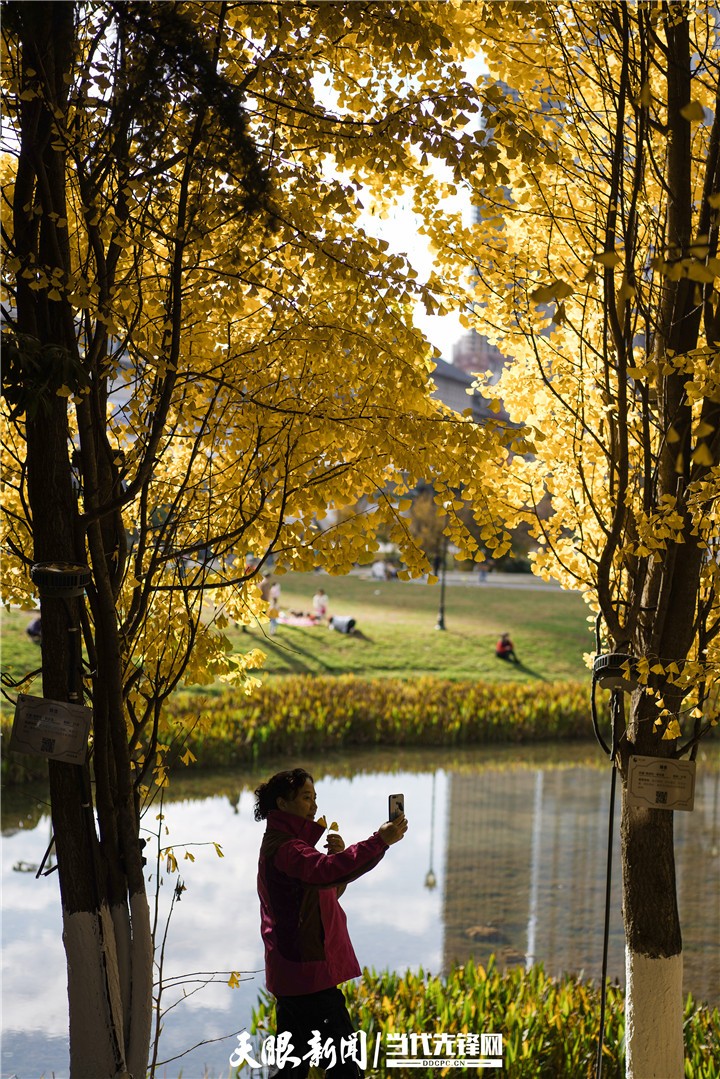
<point x="308" y="952"/>
<point x="504" y="649"/>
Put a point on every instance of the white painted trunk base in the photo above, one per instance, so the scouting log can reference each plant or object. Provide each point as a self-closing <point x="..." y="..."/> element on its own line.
<point x="94" y="997"/>
<point x="654" y="1017"/>
<point x="142" y="979"/>
<point x="110" y="991"/>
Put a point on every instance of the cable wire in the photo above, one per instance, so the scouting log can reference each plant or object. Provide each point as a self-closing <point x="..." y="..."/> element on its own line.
<point x="616" y="704"/>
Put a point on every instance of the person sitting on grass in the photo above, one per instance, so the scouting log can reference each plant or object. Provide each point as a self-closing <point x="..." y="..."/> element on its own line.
<point x="320" y="605"/>
<point x="504" y="649"/>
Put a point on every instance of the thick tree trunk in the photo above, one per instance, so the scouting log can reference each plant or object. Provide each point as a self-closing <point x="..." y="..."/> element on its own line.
<point x="94" y="996"/>
<point x="653" y="1017"/>
<point x="653" y="946"/>
<point x="653" y="940"/>
<point x="99" y="1016"/>
<point x="101" y="883"/>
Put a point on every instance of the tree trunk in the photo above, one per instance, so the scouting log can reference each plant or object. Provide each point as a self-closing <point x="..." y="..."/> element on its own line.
<point x="110" y="1014"/>
<point x="653" y="941"/>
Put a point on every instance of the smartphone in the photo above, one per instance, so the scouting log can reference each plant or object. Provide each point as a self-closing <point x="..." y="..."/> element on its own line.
<point x="396" y="805"/>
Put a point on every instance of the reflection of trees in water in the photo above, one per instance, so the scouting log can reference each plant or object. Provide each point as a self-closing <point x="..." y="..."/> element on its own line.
<point x="525" y="874"/>
<point x="24" y="804"/>
<point x="48" y="862"/>
<point x="23" y="807"/>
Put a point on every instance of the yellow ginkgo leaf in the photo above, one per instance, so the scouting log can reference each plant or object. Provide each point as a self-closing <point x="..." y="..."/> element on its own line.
<point x="693" y="111"/>
<point x="608" y="259"/>
<point x="702" y="456"/>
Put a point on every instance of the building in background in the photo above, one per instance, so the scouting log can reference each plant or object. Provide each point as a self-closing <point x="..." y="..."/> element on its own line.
<point x="474" y="354"/>
<point x="451" y="387"/>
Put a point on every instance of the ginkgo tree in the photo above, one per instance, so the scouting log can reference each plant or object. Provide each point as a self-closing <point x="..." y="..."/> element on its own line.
<point x="592" y="261"/>
<point x="204" y="356"/>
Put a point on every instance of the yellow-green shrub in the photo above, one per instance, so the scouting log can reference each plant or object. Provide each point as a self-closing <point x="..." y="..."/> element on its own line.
<point x="550" y="1026"/>
<point x="304" y="713"/>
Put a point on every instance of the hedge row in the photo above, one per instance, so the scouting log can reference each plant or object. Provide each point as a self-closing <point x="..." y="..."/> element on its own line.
<point x="306" y="713"/>
<point x="549" y="1026"/>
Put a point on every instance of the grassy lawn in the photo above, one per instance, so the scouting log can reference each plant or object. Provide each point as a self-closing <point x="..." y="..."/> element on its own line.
<point x="18" y="655"/>
<point x="397" y="619"/>
<point x="397" y="637"/>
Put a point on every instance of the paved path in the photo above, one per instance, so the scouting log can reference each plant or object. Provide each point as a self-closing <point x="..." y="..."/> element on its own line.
<point x="526" y="581"/>
<point x="503" y="580"/>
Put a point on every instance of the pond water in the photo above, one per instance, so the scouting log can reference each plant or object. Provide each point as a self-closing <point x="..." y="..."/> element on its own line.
<point x="506" y="854"/>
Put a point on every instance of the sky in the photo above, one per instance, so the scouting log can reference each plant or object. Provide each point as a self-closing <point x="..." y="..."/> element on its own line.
<point x="400" y="229"/>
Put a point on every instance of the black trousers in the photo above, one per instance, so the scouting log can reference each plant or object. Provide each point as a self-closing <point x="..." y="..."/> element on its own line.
<point x="325" y="1012"/>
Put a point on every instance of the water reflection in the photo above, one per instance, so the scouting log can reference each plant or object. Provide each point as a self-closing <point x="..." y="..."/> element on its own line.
<point x="526" y="860"/>
<point x="506" y="854"/>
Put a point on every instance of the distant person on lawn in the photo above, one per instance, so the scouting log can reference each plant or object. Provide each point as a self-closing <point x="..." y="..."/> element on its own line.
<point x="265" y="585"/>
<point x="320" y="605"/>
<point x="504" y="649"/>
<point x="274" y="607"/>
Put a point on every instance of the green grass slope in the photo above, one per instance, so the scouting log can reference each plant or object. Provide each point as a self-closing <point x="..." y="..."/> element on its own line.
<point x="396" y="632"/>
<point x="397" y="636"/>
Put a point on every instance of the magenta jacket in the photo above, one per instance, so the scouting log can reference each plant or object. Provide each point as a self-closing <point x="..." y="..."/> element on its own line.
<point x="304" y="928"/>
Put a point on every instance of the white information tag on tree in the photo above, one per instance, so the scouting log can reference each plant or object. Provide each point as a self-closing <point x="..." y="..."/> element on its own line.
<point x="55" y="729"/>
<point x="660" y="783"/>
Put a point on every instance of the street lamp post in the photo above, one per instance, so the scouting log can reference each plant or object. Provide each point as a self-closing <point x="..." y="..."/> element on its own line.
<point x="430" y="878"/>
<point x="443" y="560"/>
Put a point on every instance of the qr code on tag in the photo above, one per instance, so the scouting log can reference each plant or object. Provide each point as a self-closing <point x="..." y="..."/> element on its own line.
<point x="47" y="745"/>
<point x="660" y="798"/>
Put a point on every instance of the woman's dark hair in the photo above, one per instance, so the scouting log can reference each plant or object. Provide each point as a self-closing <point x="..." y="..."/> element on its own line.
<point x="281" y="785"/>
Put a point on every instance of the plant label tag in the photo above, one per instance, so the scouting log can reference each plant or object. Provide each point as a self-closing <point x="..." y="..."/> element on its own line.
<point x="660" y="783"/>
<point x="54" y="729"/>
